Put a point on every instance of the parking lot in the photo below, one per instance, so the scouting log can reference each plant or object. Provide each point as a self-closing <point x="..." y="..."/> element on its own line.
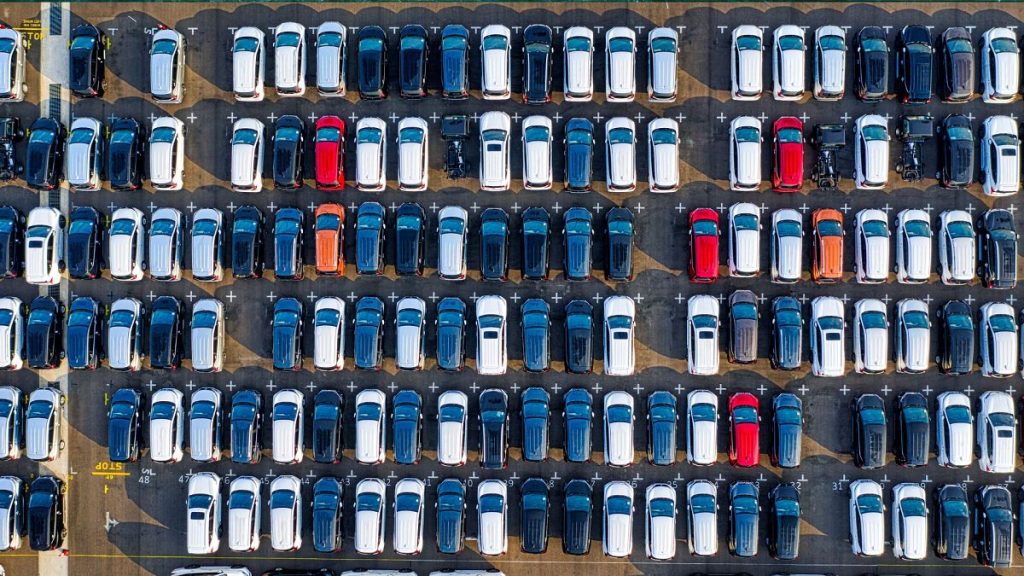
<point x="130" y="519"/>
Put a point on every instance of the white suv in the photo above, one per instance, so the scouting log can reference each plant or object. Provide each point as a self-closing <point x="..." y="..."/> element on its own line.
<point x="828" y="337"/>
<point x="1000" y="66"/>
<point x="744" y="240"/>
<point x="167" y="154"/>
<point x="495" y="128"/>
<point x="290" y="59"/>
<point x="871" y="152"/>
<point x="909" y="521"/>
<point x="203" y="510"/>
<point x="871" y="248"/>
<point x="618" y="519"/>
<point x="371" y="154"/>
<point x="745" y="153"/>
<point x="620" y="154"/>
<point x="997" y="433"/>
<point x="247" y="155"/>
<point x="913" y="247"/>
<point x="997" y="339"/>
<point x="702" y="313"/>
<point x="701" y="427"/>
<point x="1000" y="156"/>
<point x="44" y="246"/>
<point x="413" y="166"/>
<point x="870" y="337"/>
<point x="788" y="62"/>
<point x="620" y="64"/>
<point x="491" y="325"/>
<point x="746" y="65"/>
<point x="957" y="256"/>
<point x="954" y="430"/>
<point x="867" y="518"/>
<point x="127" y="245"/>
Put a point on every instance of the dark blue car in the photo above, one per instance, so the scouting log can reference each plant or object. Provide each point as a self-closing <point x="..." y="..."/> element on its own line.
<point x="578" y="416"/>
<point x="413" y="50"/>
<point x="787" y="333"/>
<point x="44" y="336"/>
<point x="246" y="420"/>
<point x="451" y="333"/>
<point x="407" y="419"/>
<point x="537" y="49"/>
<point x="536" y="412"/>
<point x="85" y="325"/>
<point x="125" y="153"/>
<point x="165" y="330"/>
<point x="661" y="428"/>
<point x="493" y="428"/>
<point x="619" y="260"/>
<point x="328" y="423"/>
<point x="85" y="243"/>
<point x="372" y="63"/>
<point x="579" y="154"/>
<point x="745" y="517"/>
<point x="288" y="145"/>
<point x="534" y="516"/>
<point x="328" y="520"/>
<point x="370" y="228"/>
<point x="369" y="345"/>
<point x="494" y="244"/>
<point x="288" y="240"/>
<point x="123" y="421"/>
<point x="579" y="337"/>
<point x="577" y="513"/>
<point x="455" y="62"/>
<point x="536" y="322"/>
<point x="410" y="235"/>
<point x="536" y="239"/>
<point x="12" y="224"/>
<point x="247" y="243"/>
<point x="578" y="239"/>
<point x="287" y="338"/>
<point x="44" y="156"/>
<point x="787" y="430"/>
<point x="451" y="509"/>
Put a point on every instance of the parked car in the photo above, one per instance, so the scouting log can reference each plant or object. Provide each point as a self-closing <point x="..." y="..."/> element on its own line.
<point x="913" y="430"/>
<point x="287" y="420"/>
<point x="743" y="322"/>
<point x="492" y="517"/>
<point x="454" y="62"/>
<point x="248" y="64"/>
<point x="166" y="151"/>
<point x="537" y="153"/>
<point x="535" y="408"/>
<point x="329" y="136"/>
<point x="704" y="233"/>
<point x="829" y="63"/>
<point x="914" y="64"/>
<point x="578" y="67"/>
<point x="87" y="51"/>
<point x="662" y="419"/>
<point x="12" y="231"/>
<point x="620" y="154"/>
<point x="744" y="517"/>
<point x="84" y="333"/>
<point x="958" y="77"/>
<point x="997" y="339"/>
<point x="44" y="333"/>
<point x="44" y="246"/>
<point x="451" y="515"/>
<point x="46" y="522"/>
<point x="1000" y="156"/>
<point x="491" y="323"/>
<point x="909" y="521"/>
<point x="329" y="325"/>
<point x="125" y="153"/>
<point x="246" y="423"/>
<point x="494" y="423"/>
<point x="745" y="152"/>
<point x="784" y="522"/>
<point x="701" y="427"/>
<point x="662" y="53"/>
<point x="702" y="335"/>
<point x="12" y="59"/>
<point x="620" y="64"/>
<point x="577" y="516"/>
<point x="287" y="327"/>
<point x="957" y="254"/>
<point x="577" y="240"/>
<point x="412" y="155"/>
<point x="371" y="154"/>
<point x="207" y="245"/>
<point x="451" y="334"/>
<point x="787" y="430"/>
<point x="127" y="247"/>
<point x="827" y="240"/>
<point x="496" y="62"/>
<point x="788" y="155"/>
<point x="328" y="437"/>
<point x="368" y="350"/>
<point x="702" y="517"/>
<point x="660" y="522"/>
<point x="619" y="341"/>
<point x="618" y="428"/>
<point x="746" y="57"/>
<point x="124" y="418"/>
<point x="956" y="152"/>
<point x="997" y="433"/>
<point x="954" y="430"/>
<point x="244" y="513"/>
<point x="370" y="231"/>
<point x="618" y="519"/>
<point x="952" y="532"/>
<point x="913" y="336"/>
<point x="787" y="333"/>
<point x="536" y="234"/>
<point x="663" y="150"/>
<point x="867" y="518"/>
<point x="788" y="62"/>
<point x="84" y="243"/>
<point x="43" y="416"/>
<point x="579" y="154"/>
<point x="452" y="238"/>
<point x="621" y="231"/>
<point x="44" y="154"/>
<point x="247" y="243"/>
<point x="166" y="425"/>
<point x="870" y="442"/>
<point x="409" y="514"/>
<point x="413" y="54"/>
<point x="205" y="423"/>
<point x="997" y="249"/>
<point x="285" y="513"/>
<point x="372" y="63"/>
<point x="288" y="142"/>
<point x="407" y="420"/>
<point x="247" y="155"/>
<point x="289" y="239"/>
<point x="329" y="234"/>
<point x="871" y="152"/>
<point x="12" y="512"/>
<point x="870" y="336"/>
<point x="370" y="517"/>
<point x="331" y="66"/>
<point x="744" y="240"/>
<point x="1000" y="66"/>
<point x="495" y="129"/>
<point x="452" y="430"/>
<point x="410" y="239"/>
<point x="579" y="337"/>
<point x="578" y="422"/>
<point x="533" y="513"/>
<point x="871" y="247"/>
<point x="166" y="325"/>
<point x="992" y="523"/>
<point x="872" y="64"/>
<point x="12" y="333"/>
<point x="744" y="430"/>
<point x="371" y="430"/>
<point x="86" y="148"/>
<point x="787" y="246"/>
<point x="828" y="348"/>
<point x="956" y="338"/>
<point x="537" y="53"/>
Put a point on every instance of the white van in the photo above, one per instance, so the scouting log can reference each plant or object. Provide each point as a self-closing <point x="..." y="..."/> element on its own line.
<point x="167" y="66"/>
<point x="496" y="62"/>
<point x="746" y="59"/>
<point x="248" y="64"/>
<point x="331" y="46"/>
<point x="702" y="521"/>
<point x="286" y="513"/>
<point x="287" y="416"/>
<point x="870" y="337"/>
<point x="745" y="153"/>
<point x="788" y="62"/>
<point x="44" y="246"/>
<point x="663" y="51"/>
<point x="12" y="330"/>
<point x="290" y="59"/>
<point x="617" y="520"/>
<point x="124" y="334"/>
<point x="620" y="154"/>
<point x="410" y="496"/>
<point x="127" y="245"/>
<point x="828" y="337"/>
<point x="495" y="128"/>
<point x="370" y="518"/>
<point x="620" y="64"/>
<point x="410" y="333"/>
<point x="247" y="155"/>
<point x="491" y="325"/>
<point x="207" y="335"/>
<point x="660" y="522"/>
<point x="167" y="154"/>
<point x="867" y="518"/>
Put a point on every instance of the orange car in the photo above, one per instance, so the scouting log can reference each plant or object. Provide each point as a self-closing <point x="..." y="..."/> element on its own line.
<point x="330" y="239"/>
<point x="828" y="246"/>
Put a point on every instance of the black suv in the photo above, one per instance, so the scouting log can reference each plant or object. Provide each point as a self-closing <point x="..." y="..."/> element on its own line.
<point x="913" y="429"/>
<point x="536" y="243"/>
<point x="872" y="64"/>
<point x="997" y="249"/>
<point x="165" y="329"/>
<point x="247" y="243"/>
<point x="44" y="160"/>
<point x="957" y="65"/>
<point x="869" y="434"/>
<point x="956" y="338"/>
<point x="952" y="522"/>
<point x="493" y="428"/>
<point x="579" y="337"/>
<point x="85" y="242"/>
<point x="410" y="239"/>
<point x="372" y="64"/>
<point x="494" y="244"/>
<point x="956" y="152"/>
<point x="914" y="63"/>
<point x="620" y="227"/>
<point x="413" y="49"/>
<point x="46" y="503"/>
<point x="370" y="230"/>
<point x="246" y="421"/>
<point x="12" y="233"/>
<point x="328" y="420"/>
<point x="44" y="336"/>
<point x="289" y="143"/>
<point x="88" y="49"/>
<point x="993" y="526"/>
<point x="537" y="49"/>
<point x="125" y="151"/>
<point x="784" y="522"/>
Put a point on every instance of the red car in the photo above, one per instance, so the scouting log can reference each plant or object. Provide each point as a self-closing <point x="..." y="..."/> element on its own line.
<point x="788" y="165"/>
<point x="744" y="430"/>
<point x="703" y="245"/>
<point x="330" y="153"/>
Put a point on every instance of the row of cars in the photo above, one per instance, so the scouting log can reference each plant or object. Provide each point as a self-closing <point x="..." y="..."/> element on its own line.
<point x="34" y="511"/>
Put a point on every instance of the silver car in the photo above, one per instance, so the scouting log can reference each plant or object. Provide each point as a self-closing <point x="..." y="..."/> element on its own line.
<point x="208" y="245"/>
<point x="207" y="335"/>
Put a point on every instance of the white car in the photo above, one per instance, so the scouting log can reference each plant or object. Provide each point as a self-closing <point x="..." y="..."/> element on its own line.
<point x="491" y="330"/>
<point x="124" y="330"/>
<point x="12" y="62"/>
<point x="207" y="335"/>
<point x="331" y="46"/>
<point x="495" y="128"/>
<point x="663" y="51"/>
<point x="954" y="430"/>
<point x="829" y="63"/>
<point x="44" y="246"/>
<point x="204" y="424"/>
<point x="957" y="255"/>
<point x="12" y="507"/>
<point x="290" y="59"/>
<point x="1000" y="66"/>
<point x="620" y="154"/>
<point x="203" y="513"/>
<point x="913" y="336"/>
<point x="578" y="82"/>
<point x="167" y="66"/>
<point x="660" y="522"/>
<point x="329" y="333"/>
<point x="913" y="246"/>
<point x="452" y="428"/>
<point x="871" y="152"/>
<point x="409" y="514"/>
<point x="249" y="64"/>
<point x="618" y="428"/>
<point x="871" y="247"/>
<point x="371" y="432"/>
<point x="247" y="155"/>
<point x="43" y="417"/>
<point x="166" y="425"/>
<point x="617" y="521"/>
<point x="167" y="154"/>
<point x="867" y="518"/>
<point x="207" y="245"/>
<point x="537" y="153"/>
<point x="496" y="62"/>
<point x="701" y="428"/>
<point x="620" y="64"/>
<point x="287" y="432"/>
<point x="1000" y="156"/>
<point x="410" y="333"/>
<point x="997" y="339"/>
<point x="127" y="245"/>
<point x="702" y="313"/>
<point x="870" y="337"/>
<point x="745" y="153"/>
<point x="11" y="422"/>
<point x="371" y="154"/>
<point x="997" y="433"/>
<point x="413" y="166"/>
<point x="12" y="333"/>
<point x="370" y="518"/>
<point x="746" y="62"/>
<point x="83" y="159"/>
<point x="452" y="236"/>
<point x="828" y="337"/>
<point x="663" y="155"/>
<point x="244" y="513"/>
<point x="744" y="240"/>
<point x="787" y="246"/>
<point x="702" y="517"/>
<point x="788" y="62"/>
<point x="286" y="513"/>
<point x="492" y="517"/>
<point x="619" y="323"/>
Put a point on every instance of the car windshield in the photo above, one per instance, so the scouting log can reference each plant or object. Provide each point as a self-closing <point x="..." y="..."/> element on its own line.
<point x="960" y="230"/>
<point x="914" y="507"/>
<point x="1002" y="419"/>
<point x="39" y="409"/>
<point x="1006" y="140"/>
<point x="745" y="222"/>
<point x="959" y="46"/>
<point x="743" y="504"/>
<point x="204" y="319"/>
<point x="244" y="226"/>
<point x="162" y="411"/>
<point x="7" y="45"/>
<point x="744" y="311"/>
<point x="959" y="133"/>
<point x="122" y="319"/>
<point x="122" y="137"/>
<point x="329" y="39"/>
<point x="163" y="135"/>
<point x="538" y="48"/>
<point x="875" y="228"/>
<point x="1001" y="234"/>
<point x="241" y="500"/>
<point x="203" y="410"/>
<point x="662" y="508"/>
<point x="873" y="320"/>
<point x="412" y="43"/>
<point x="703" y="413"/>
<point x="577" y="44"/>
<point x="244" y="136"/>
<point x="407" y="503"/>
<point x="368" y="502"/>
<point x="830" y="323"/>
<point x="830" y="228"/>
<point x="164" y="46"/>
<point x="80" y="228"/>
<point x="495" y="42"/>
<point x="789" y="228"/>
<point x="1002" y="323"/>
<point x="579" y="137"/>
<point x="324" y="411"/>
<point x="663" y="45"/>
<point x="205" y="227"/>
<point x="410" y="318"/>
<point x="453" y="43"/>
<point x="744" y="415"/>
<point x="704" y="321"/>
<point x="959" y="321"/>
<point x="915" y="415"/>
<point x="371" y="45"/>
<point x="832" y="43"/>
<point x="75" y="319"/>
<point x="452" y="413"/>
<point x="282" y="499"/>
<point x="869" y="504"/>
<point x="702" y="504"/>
<point x="919" y="48"/>
<point x="163" y="317"/>
<point x="328" y="222"/>
<point x="328" y="317"/>
<point x="915" y="319"/>
<point x="748" y="134"/>
<point x="493" y="136"/>
<point x="81" y="136"/>
<point x="958" y="415"/>
<point x="619" y="505"/>
<point x="620" y="136"/>
<point x="368" y="411"/>
<point x="786" y="507"/>
<point x="410" y="136"/>
<point x="286" y="318"/>
<point x="288" y="227"/>
<point x="328" y="134"/>
<point x="1001" y="45"/>
<point x="368" y="136"/>
<point x="408" y="223"/>
<point x="122" y="227"/>
<point x="872" y="416"/>
<point x="790" y="136"/>
<point x="620" y="228"/>
<point x="5" y="500"/>
<point x="705" y="228"/>
<point x="748" y="43"/>
<point x="368" y="221"/>
<point x="619" y="414"/>
<point x="620" y="323"/>
<point x="663" y="136"/>
<point x="874" y="45"/>
<point x="43" y="136"/>
<point x="491" y="503"/>
<point x="285" y="411"/>
<point x="787" y="318"/>
<point x="873" y="133"/>
<point x="955" y="509"/>
<point x="287" y="39"/>
<point x="787" y="416"/>
<point x="620" y="45"/>
<point x="536" y="134"/>
<point x="288" y="134"/>
<point x="452" y="226"/>
<point x="83" y="42"/>
<point x="246" y="44"/>
<point x="791" y="43"/>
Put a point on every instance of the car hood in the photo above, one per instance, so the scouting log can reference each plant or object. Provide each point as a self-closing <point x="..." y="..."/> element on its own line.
<point x="874" y="525"/>
<point x="746" y="444"/>
<point x="876" y="70"/>
<point x="707" y="250"/>
<point x="875" y="349"/>
<point x="161" y="440"/>
<point x="666" y="165"/>
<point x="662" y="537"/>
<point x="201" y="438"/>
<point x="961" y="453"/>
<point x="202" y="348"/>
<point x="915" y="541"/>
<point x="919" y="81"/>
<point x="963" y="73"/>
<point x="704" y="442"/>
<point x="453" y="65"/>
<point x="791" y="162"/>
<point x="746" y="534"/>
<point x="793" y="62"/>
<point x="663" y="66"/>
<point x="578" y="159"/>
<point x="242" y="164"/>
<point x="961" y="156"/>
<point x="789" y="347"/>
<point x="161" y="244"/>
<point x="622" y="165"/>
<point x="789" y="444"/>
<point x="244" y="83"/>
<point x="745" y="339"/>
<point x="916" y="347"/>
<point x="407" y="529"/>
<point x="407" y="346"/>
<point x="327" y="71"/>
<point x="919" y="267"/>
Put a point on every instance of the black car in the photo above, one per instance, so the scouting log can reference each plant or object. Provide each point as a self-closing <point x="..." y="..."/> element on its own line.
<point x="44" y="334"/>
<point x="12" y="233"/>
<point x="454" y="62"/>
<point x="578" y="241"/>
<point x="619" y="261"/>
<point x="535" y="409"/>
<point x="493" y="428"/>
<point x="787" y="430"/>
<point x="579" y="154"/>
<point x="744" y="517"/>
<point x="451" y="516"/>
<point x="85" y="326"/>
<point x="407" y="424"/>
<point x="578" y="423"/>
<point x="537" y="50"/>
<point x="534" y="516"/>
<point x="46" y="504"/>
<point x="787" y="333"/>
<point x="44" y="160"/>
<point x="124" y="418"/>
<point x="328" y="424"/>
<point x="993" y="526"/>
<point x="872" y="64"/>
<point x="958" y="79"/>
<point x="577" y="514"/>
<point x="914" y="63"/>
<point x="784" y="522"/>
<point x="247" y="243"/>
<point x="289" y="146"/>
<point x="997" y="249"/>
<point x="166" y="326"/>
<point x="662" y="418"/>
<point x="286" y="327"/>
<point x="451" y="334"/>
<point x="368" y="350"/>
<point x="125" y="151"/>
<point x="952" y="532"/>
<point x="289" y="225"/>
<point x="87" y="52"/>
<point x="956" y="152"/>
<point x="370" y="227"/>
<point x="328" y="518"/>
<point x="869" y="431"/>
<point x="85" y="242"/>
<point x="413" y="51"/>
<point x="536" y="243"/>
<point x="535" y="320"/>
<point x="913" y="429"/>
<point x="494" y="239"/>
<point x="372" y="63"/>
<point x="579" y="337"/>
<point x="410" y="239"/>
<point x="246" y="422"/>
<point x="956" y="338"/>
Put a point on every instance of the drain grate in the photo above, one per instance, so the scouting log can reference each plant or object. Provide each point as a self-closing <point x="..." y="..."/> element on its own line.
<point x="55" y="101"/>
<point x="56" y="19"/>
